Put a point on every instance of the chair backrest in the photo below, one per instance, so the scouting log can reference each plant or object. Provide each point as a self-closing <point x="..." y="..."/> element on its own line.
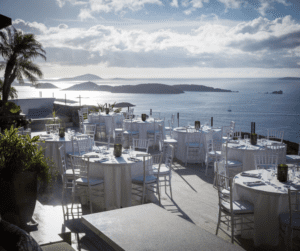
<point x="84" y="111"/>
<point x="265" y="159"/>
<point x="140" y="144"/>
<point x="118" y="121"/>
<point x="232" y="125"/>
<point x="192" y="136"/>
<point x="237" y="133"/>
<point x="81" y="144"/>
<point x="225" y="131"/>
<point x="274" y="134"/>
<point x="169" y="156"/>
<point x="294" y="204"/>
<point x="276" y="149"/>
<point x="90" y="130"/>
<point x="81" y="163"/>
<point x="62" y="155"/>
<point x="95" y="118"/>
<point x="224" y="183"/>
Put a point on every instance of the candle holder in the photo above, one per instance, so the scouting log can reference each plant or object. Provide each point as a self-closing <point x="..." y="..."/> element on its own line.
<point x="117" y="150"/>
<point x="282" y="172"/>
<point x="253" y="139"/>
<point x="144" y="116"/>
<point x="62" y="132"/>
<point x="197" y="125"/>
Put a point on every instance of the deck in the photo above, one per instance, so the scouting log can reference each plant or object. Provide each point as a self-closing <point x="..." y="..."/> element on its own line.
<point x="194" y="199"/>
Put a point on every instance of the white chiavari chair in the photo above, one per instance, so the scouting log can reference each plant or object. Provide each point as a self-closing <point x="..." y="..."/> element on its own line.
<point x="274" y="134"/>
<point x="86" y="185"/>
<point x="232" y="210"/>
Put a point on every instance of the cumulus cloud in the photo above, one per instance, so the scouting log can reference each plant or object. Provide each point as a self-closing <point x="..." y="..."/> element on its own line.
<point x="268" y="4"/>
<point x="257" y="43"/>
<point x="174" y="3"/>
<point x="231" y="4"/>
<point x="117" y="6"/>
<point x="27" y="27"/>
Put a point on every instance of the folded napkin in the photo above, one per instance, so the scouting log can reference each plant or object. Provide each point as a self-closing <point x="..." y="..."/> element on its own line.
<point x="101" y="160"/>
<point x="233" y="142"/>
<point x="254" y="183"/>
<point x="134" y="159"/>
<point x="254" y="175"/>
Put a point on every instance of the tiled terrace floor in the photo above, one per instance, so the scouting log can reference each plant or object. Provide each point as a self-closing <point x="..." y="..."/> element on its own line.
<point x="194" y="199"/>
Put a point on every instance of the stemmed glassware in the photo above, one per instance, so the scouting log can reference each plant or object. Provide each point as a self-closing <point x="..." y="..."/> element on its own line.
<point x="246" y="138"/>
<point x="270" y="176"/>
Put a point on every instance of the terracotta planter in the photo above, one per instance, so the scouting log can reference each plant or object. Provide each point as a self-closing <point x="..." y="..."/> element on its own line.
<point x="18" y="197"/>
<point x="107" y="110"/>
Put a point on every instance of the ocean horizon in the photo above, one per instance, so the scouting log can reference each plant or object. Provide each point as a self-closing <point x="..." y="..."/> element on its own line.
<point x="248" y="102"/>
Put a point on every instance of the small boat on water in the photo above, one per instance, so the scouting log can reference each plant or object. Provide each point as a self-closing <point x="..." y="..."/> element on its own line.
<point x="229" y="110"/>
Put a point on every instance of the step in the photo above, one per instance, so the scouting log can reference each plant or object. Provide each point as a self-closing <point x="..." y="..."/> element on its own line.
<point x="51" y="228"/>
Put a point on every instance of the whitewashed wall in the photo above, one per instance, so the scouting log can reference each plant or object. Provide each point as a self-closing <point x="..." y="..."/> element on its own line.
<point x="34" y="103"/>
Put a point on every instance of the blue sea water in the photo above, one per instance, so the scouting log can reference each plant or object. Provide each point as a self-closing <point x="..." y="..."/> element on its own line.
<point x="249" y="104"/>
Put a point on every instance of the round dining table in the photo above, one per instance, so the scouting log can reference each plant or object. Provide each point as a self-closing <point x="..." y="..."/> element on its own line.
<point x="243" y="151"/>
<point x="142" y="126"/>
<point x="117" y="173"/>
<point x="105" y="118"/>
<point x="269" y="201"/>
<point x="179" y="133"/>
<point x="52" y="144"/>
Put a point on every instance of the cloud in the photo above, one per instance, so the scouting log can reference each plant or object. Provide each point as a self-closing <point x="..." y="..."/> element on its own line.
<point x="27" y="27"/>
<point x="106" y="6"/>
<point x="174" y="3"/>
<point x="231" y="4"/>
<point x="85" y="14"/>
<point x="214" y="43"/>
<point x="61" y="3"/>
<point x="268" y="4"/>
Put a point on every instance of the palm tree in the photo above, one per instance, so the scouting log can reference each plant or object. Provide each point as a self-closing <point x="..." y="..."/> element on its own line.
<point x="18" y="51"/>
<point x="13" y="92"/>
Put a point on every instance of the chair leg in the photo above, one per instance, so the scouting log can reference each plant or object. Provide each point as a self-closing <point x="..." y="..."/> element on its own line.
<point x="165" y="184"/>
<point x="157" y="187"/>
<point x="232" y="229"/>
<point x="170" y="187"/>
<point x="62" y="199"/>
<point x="143" y="193"/>
<point x="219" y="220"/>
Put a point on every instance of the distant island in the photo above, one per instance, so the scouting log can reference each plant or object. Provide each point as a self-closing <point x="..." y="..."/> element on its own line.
<point x="199" y="88"/>
<point x="289" y="78"/>
<point x="150" y="88"/>
<point x="45" y="86"/>
<point x="85" y="77"/>
<point x="275" y="92"/>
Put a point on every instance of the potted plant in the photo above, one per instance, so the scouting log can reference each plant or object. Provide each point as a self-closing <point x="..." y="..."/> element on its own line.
<point x="253" y="138"/>
<point x="282" y="172"/>
<point x="22" y="166"/>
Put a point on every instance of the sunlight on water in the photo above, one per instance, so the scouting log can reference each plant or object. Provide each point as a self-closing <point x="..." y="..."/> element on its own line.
<point x="249" y="104"/>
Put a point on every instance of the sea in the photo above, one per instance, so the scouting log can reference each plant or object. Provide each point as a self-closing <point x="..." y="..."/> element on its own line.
<point x="248" y="103"/>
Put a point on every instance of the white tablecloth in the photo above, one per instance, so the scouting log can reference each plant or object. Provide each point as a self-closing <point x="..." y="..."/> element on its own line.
<point x="268" y="203"/>
<point x="106" y="118"/>
<point x="51" y="147"/>
<point x="141" y="126"/>
<point x="117" y="174"/>
<point x="245" y="152"/>
<point x="179" y="134"/>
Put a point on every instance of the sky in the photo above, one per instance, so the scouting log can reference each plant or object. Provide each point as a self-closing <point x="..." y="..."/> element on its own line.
<point x="162" y="38"/>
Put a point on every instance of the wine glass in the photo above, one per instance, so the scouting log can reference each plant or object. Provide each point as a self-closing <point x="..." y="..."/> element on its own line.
<point x="246" y="138"/>
<point x="269" y="176"/>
